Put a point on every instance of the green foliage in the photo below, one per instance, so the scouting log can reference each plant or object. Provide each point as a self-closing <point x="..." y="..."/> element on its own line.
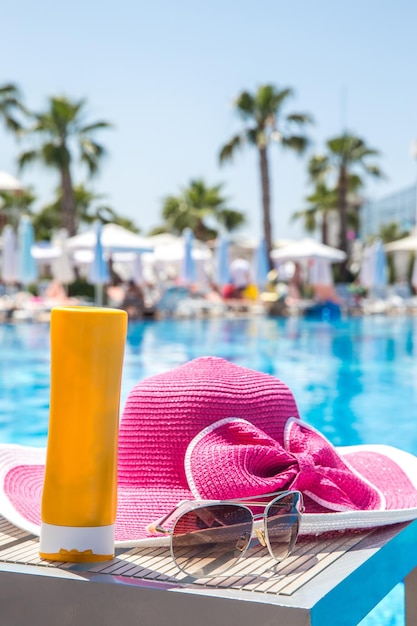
<point x="46" y="222"/>
<point x="341" y="166"/>
<point x="13" y="205"/>
<point x="391" y="269"/>
<point x="10" y="105"/>
<point x="196" y="205"/>
<point x="323" y="201"/>
<point x="344" y="152"/>
<point x="265" y="122"/>
<point x="87" y="212"/>
<point x="108" y="216"/>
<point x="62" y="121"/>
<point x="309" y="218"/>
<point x="158" y="230"/>
<point x="392" y="232"/>
<point x="230" y="219"/>
<point x="61" y="136"/>
<point x="348" y="152"/>
<point x="82" y="289"/>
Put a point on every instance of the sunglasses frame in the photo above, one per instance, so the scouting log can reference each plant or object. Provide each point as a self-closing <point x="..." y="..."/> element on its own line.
<point x="259" y="528"/>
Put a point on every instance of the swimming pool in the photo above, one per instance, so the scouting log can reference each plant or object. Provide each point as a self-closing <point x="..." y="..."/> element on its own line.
<point x="355" y="380"/>
<point x="351" y="379"/>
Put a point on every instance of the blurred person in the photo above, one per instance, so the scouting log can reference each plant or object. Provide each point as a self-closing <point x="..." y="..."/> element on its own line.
<point x="134" y="301"/>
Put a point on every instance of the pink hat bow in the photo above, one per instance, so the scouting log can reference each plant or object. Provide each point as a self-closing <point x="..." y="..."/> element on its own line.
<point x="232" y="458"/>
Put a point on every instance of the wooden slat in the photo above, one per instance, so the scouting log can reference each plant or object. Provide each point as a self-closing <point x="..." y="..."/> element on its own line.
<point x="324" y="559"/>
<point x="8" y="552"/>
<point x="256" y="572"/>
<point x="9" y="533"/>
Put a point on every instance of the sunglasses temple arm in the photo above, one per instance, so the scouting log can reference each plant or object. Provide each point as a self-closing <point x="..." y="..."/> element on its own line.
<point x="156" y="527"/>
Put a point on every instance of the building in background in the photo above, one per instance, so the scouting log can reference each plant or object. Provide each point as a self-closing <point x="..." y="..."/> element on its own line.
<point x="399" y="208"/>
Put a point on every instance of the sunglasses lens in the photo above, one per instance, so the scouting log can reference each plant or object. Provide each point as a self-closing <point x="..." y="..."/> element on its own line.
<point x="209" y="540"/>
<point x="282" y="524"/>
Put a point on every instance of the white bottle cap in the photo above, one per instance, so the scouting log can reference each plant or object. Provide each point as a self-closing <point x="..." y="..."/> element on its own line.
<point x="90" y="540"/>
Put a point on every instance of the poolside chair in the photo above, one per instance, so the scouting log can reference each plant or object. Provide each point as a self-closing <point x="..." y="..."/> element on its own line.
<point x="170" y="299"/>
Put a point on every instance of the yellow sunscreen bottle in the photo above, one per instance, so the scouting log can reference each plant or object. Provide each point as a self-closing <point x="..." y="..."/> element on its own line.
<point x="80" y="487"/>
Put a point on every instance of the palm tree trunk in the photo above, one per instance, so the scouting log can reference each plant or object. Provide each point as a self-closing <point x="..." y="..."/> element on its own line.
<point x="342" y="192"/>
<point x="324" y="228"/>
<point x="68" y="208"/>
<point x="200" y="231"/>
<point x="266" y="200"/>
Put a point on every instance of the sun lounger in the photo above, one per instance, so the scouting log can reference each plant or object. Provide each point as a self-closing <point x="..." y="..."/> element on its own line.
<point x="170" y="299"/>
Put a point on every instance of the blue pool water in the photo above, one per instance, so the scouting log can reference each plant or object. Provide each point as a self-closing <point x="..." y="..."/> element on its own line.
<point x="355" y="380"/>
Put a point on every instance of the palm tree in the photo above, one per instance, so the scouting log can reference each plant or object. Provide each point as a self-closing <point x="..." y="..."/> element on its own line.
<point x="320" y="203"/>
<point x="230" y="219"/>
<point x="87" y="211"/>
<point x="345" y="155"/>
<point x="13" y="205"/>
<point x="264" y="124"/>
<point x="324" y="201"/>
<point x="195" y="206"/>
<point x="10" y="104"/>
<point x="60" y="129"/>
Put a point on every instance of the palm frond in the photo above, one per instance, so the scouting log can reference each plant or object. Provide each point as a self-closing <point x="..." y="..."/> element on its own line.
<point x="256" y="136"/>
<point x="269" y="99"/>
<point x="308" y="216"/>
<point x="9" y="90"/>
<point x="10" y="103"/>
<point x="12" y="123"/>
<point x="91" y="154"/>
<point x="230" y="219"/>
<point x="323" y="197"/>
<point x="96" y="126"/>
<point x="318" y="167"/>
<point x="298" y="143"/>
<point x="374" y="170"/>
<point x="55" y="155"/>
<point x="300" y="118"/>
<point x="245" y="104"/>
<point x="26" y="158"/>
<point x="229" y="149"/>
<point x="301" y="214"/>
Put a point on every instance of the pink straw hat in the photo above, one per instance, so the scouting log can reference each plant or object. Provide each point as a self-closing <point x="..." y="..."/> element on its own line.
<point x="214" y="430"/>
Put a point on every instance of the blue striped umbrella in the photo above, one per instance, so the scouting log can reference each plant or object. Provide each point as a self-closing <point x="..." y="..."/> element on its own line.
<point x="188" y="269"/>
<point x="222" y="267"/>
<point x="373" y="273"/>
<point x="380" y="264"/>
<point x="98" y="273"/>
<point x="261" y="265"/>
<point x="27" y="270"/>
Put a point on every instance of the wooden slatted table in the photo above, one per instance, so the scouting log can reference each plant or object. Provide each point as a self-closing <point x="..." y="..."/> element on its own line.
<point x="328" y="581"/>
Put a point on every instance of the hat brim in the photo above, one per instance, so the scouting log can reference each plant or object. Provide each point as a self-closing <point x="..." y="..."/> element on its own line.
<point x="21" y="481"/>
<point x="22" y="471"/>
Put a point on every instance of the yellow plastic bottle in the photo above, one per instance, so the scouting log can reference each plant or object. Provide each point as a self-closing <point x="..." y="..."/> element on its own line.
<point x="79" y="496"/>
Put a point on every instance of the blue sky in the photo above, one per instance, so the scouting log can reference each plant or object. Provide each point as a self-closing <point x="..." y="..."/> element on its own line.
<point x="165" y="74"/>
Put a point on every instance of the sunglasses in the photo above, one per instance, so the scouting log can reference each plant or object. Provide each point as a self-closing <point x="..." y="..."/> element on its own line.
<point x="208" y="537"/>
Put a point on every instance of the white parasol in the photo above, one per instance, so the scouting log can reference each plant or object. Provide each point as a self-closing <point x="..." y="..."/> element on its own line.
<point x="62" y="268"/>
<point x="9" y="256"/>
<point x="308" y="249"/>
<point x="114" y="238"/>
